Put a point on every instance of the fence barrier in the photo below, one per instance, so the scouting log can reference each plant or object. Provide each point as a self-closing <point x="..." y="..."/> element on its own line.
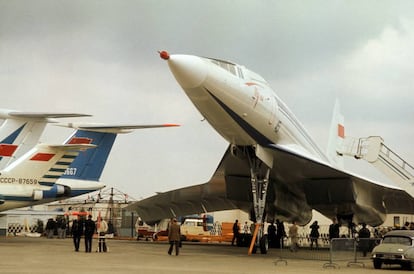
<point x="351" y="251"/>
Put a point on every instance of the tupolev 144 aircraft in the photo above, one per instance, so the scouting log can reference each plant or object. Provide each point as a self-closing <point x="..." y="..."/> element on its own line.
<point x="272" y="167"/>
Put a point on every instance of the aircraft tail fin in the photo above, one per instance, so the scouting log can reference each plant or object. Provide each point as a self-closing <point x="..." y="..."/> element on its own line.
<point x="46" y="164"/>
<point x="89" y="166"/>
<point x="336" y="137"/>
<point x="21" y="131"/>
<point x="17" y="137"/>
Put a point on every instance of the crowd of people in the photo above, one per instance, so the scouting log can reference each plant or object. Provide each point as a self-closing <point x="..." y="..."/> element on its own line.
<point x="277" y="236"/>
<point x="60" y="226"/>
<point x="297" y="236"/>
<point x="87" y="228"/>
<point x="78" y="228"/>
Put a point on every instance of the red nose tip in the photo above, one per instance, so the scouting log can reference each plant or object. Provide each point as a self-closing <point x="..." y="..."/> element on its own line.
<point x="164" y="55"/>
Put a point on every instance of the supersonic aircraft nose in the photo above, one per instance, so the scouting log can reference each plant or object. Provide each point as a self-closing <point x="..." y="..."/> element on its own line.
<point x="189" y="71"/>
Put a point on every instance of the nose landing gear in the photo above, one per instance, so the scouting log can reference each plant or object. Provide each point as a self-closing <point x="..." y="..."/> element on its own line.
<point x="259" y="177"/>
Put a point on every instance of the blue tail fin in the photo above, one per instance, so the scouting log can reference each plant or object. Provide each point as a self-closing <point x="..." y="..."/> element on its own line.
<point x="90" y="163"/>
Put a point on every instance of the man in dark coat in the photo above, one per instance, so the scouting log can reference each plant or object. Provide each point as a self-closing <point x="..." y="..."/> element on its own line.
<point x="174" y="234"/>
<point x="235" y="232"/>
<point x="334" y="229"/>
<point x="280" y="233"/>
<point x="271" y="235"/>
<point x="364" y="234"/>
<point x="314" y="234"/>
<point x="89" y="231"/>
<point x="77" y="231"/>
<point x="50" y="228"/>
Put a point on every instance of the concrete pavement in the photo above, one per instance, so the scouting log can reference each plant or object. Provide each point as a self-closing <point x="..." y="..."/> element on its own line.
<point x="41" y="255"/>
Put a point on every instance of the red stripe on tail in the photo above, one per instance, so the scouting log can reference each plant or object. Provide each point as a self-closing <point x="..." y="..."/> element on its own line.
<point x="7" y="150"/>
<point x="42" y="157"/>
<point x="80" y="140"/>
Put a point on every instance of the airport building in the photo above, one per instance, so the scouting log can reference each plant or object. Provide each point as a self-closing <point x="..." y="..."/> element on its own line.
<point x="107" y="203"/>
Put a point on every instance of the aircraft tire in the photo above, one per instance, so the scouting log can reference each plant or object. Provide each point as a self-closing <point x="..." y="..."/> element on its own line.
<point x="254" y="250"/>
<point x="377" y="264"/>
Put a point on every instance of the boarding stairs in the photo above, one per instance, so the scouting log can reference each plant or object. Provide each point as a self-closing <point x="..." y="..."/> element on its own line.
<point x="373" y="150"/>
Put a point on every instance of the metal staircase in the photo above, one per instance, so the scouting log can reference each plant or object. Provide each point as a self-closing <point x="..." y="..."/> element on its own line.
<point x="373" y="150"/>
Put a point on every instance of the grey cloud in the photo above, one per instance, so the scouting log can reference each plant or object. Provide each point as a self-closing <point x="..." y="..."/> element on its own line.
<point x="100" y="56"/>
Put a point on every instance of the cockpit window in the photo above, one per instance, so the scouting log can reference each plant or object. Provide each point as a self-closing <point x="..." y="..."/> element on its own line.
<point x="230" y="67"/>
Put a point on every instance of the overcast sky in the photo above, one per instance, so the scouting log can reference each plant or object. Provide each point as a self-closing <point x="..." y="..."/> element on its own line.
<point x="100" y="58"/>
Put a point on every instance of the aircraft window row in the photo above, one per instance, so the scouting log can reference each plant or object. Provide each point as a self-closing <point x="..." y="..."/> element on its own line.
<point x="233" y="69"/>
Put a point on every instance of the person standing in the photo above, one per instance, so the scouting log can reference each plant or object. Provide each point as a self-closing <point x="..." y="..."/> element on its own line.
<point x="334" y="229"/>
<point x="61" y="227"/>
<point x="50" y="228"/>
<point x="102" y="229"/>
<point x="235" y="232"/>
<point x="271" y="235"/>
<point x="280" y="233"/>
<point x="293" y="234"/>
<point x="252" y="228"/>
<point x="364" y="234"/>
<point x="246" y="229"/>
<point x="64" y="227"/>
<point x="314" y="234"/>
<point x="89" y="231"/>
<point x="111" y="229"/>
<point x="77" y="231"/>
<point x="174" y="234"/>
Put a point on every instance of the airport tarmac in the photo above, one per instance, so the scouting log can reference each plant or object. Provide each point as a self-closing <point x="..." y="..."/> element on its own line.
<point x="41" y="255"/>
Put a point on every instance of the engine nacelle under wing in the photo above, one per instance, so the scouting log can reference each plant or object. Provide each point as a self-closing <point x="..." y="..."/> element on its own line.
<point x="57" y="191"/>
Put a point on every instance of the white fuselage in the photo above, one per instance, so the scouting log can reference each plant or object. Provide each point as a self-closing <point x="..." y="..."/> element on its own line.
<point x="34" y="178"/>
<point x="22" y="195"/>
<point x="240" y="105"/>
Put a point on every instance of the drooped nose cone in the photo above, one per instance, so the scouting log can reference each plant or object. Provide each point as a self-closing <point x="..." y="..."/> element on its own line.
<point x="189" y="71"/>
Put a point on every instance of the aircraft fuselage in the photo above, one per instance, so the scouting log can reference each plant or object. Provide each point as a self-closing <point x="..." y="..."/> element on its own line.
<point x="15" y="195"/>
<point x="240" y="105"/>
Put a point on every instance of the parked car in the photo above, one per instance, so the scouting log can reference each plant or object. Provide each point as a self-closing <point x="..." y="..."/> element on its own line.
<point x="396" y="247"/>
